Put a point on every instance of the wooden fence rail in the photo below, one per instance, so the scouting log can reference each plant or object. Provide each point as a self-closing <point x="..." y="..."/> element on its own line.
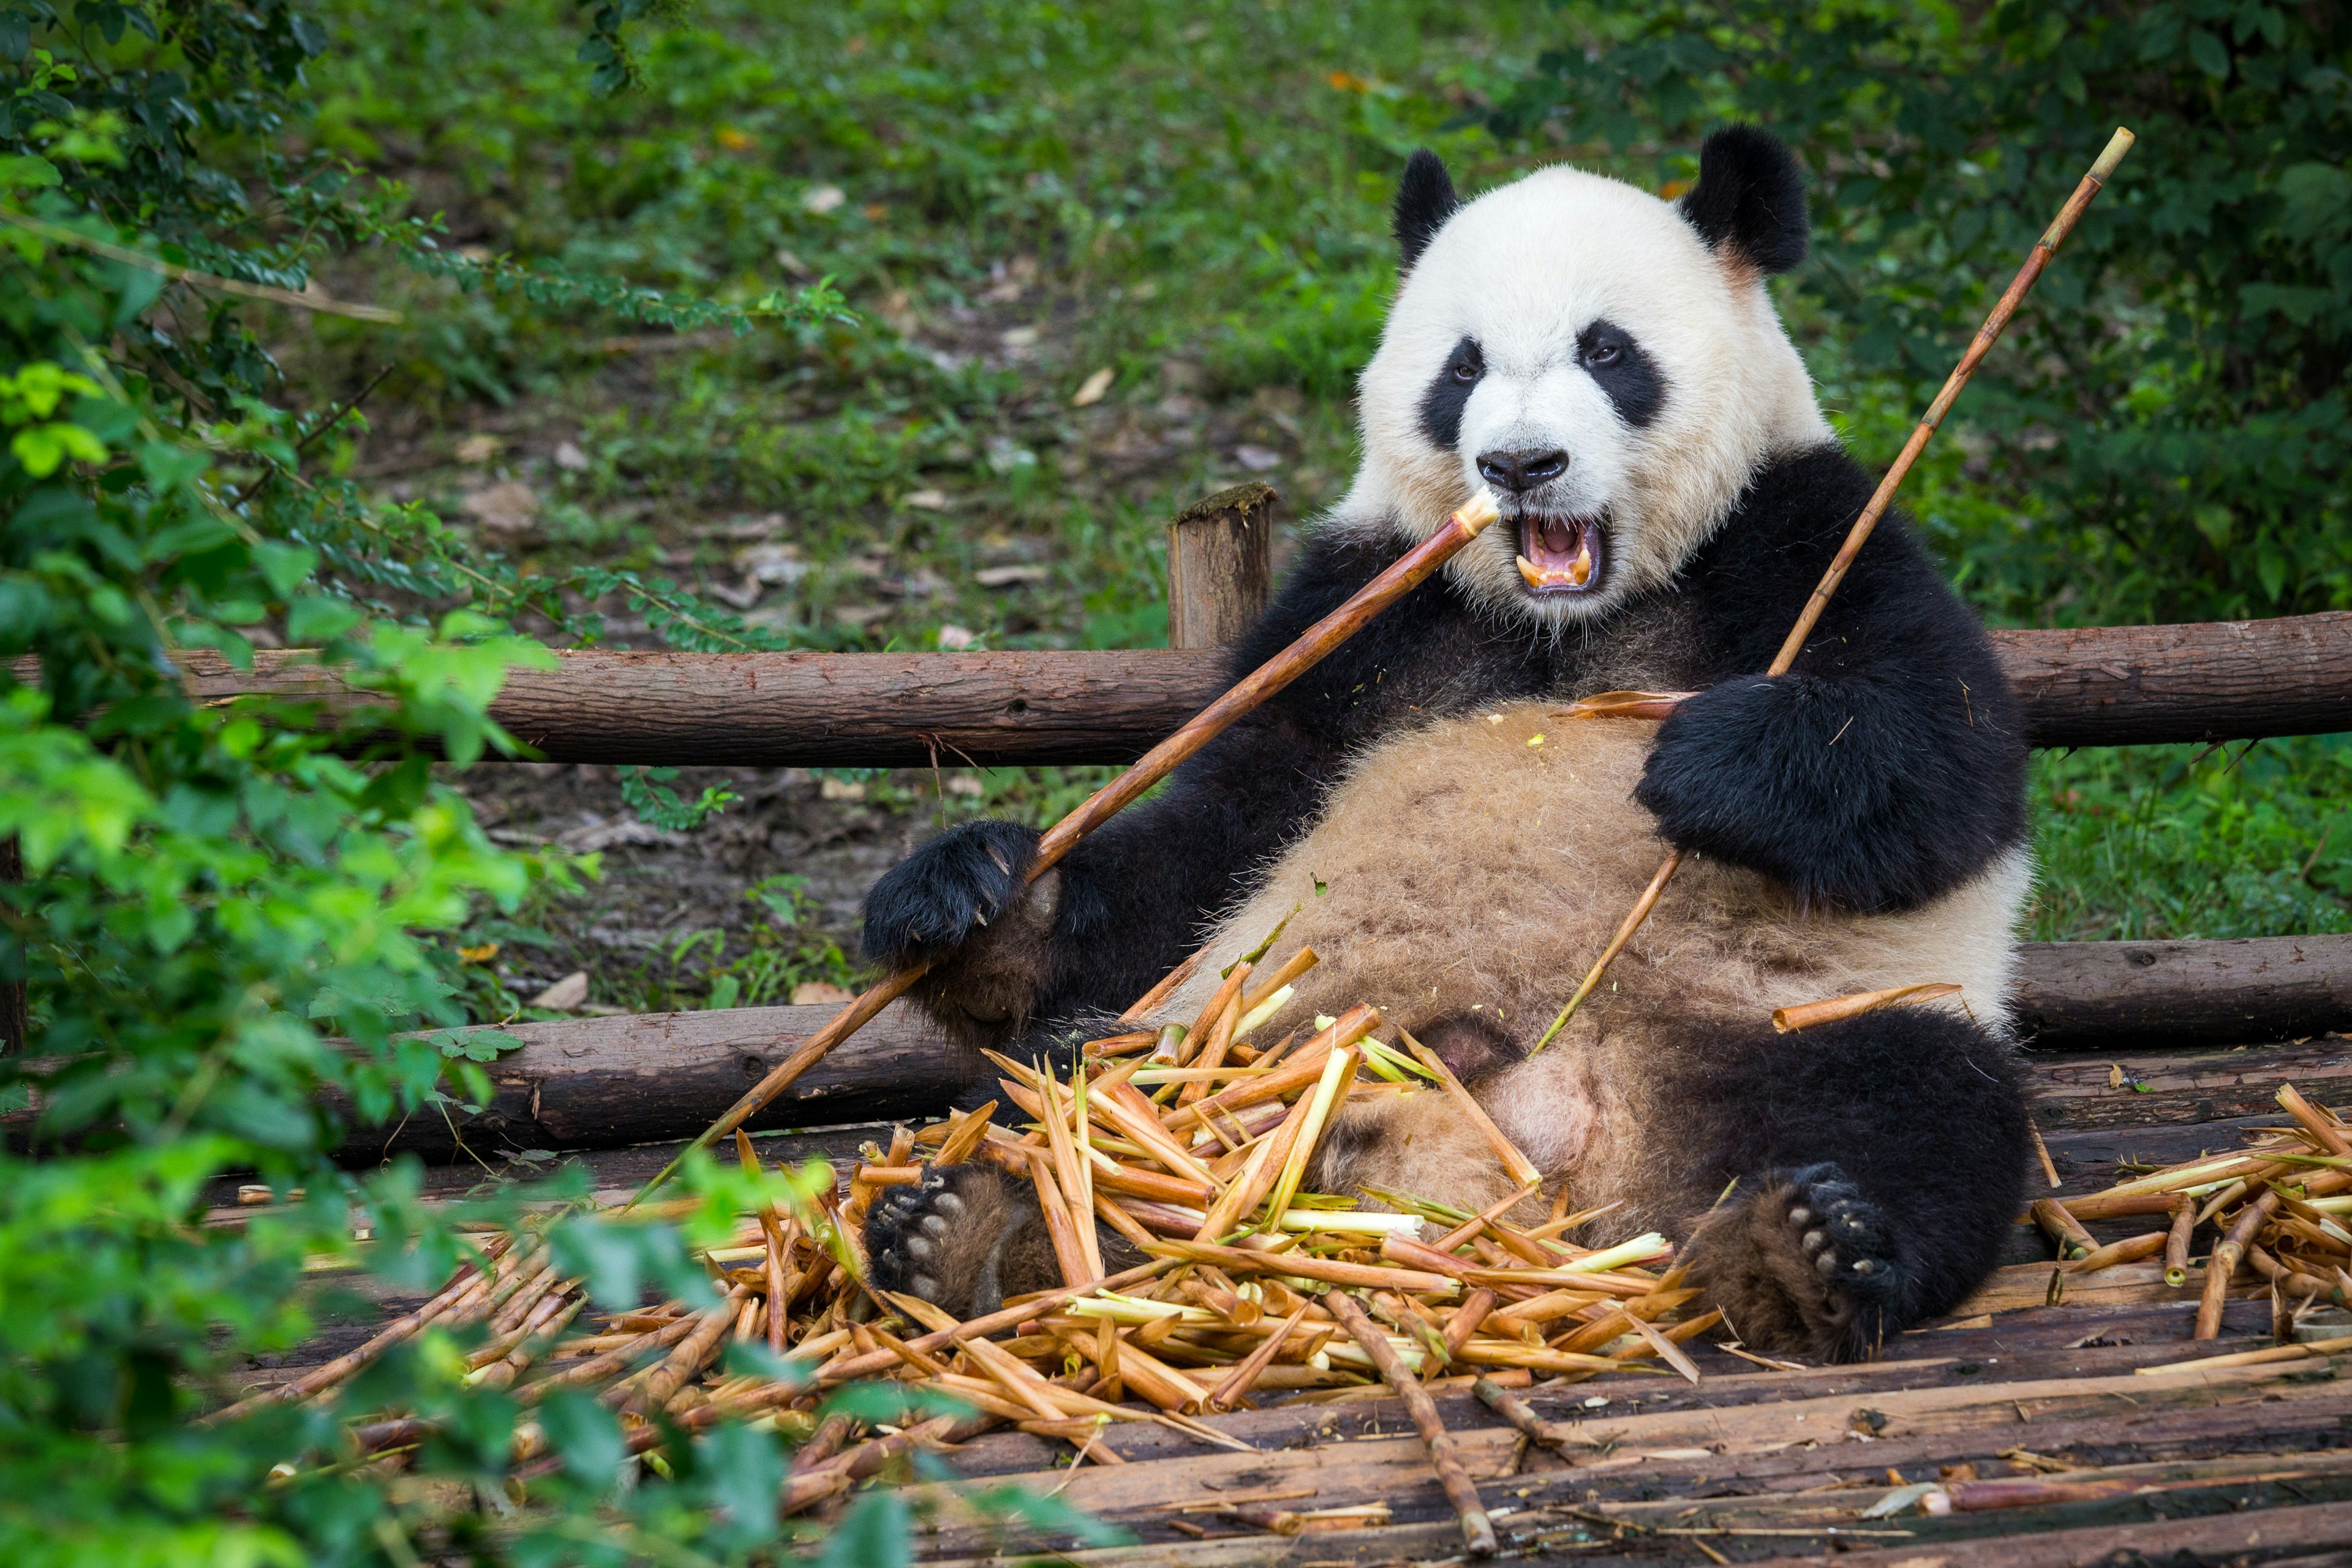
<point x="2097" y="686"/>
<point x="587" y="1083"/>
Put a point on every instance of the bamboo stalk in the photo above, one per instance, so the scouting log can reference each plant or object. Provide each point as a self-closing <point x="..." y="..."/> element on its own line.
<point x="1477" y="1531"/>
<point x="1339" y="1069"/>
<point x="1625" y="705"/>
<point x="1859" y="534"/>
<point x="2063" y="1228"/>
<point x="1245" y="1372"/>
<point x="2307" y="1349"/>
<point x="1812" y="1014"/>
<point x="1298" y="963"/>
<point x="1484" y="1217"/>
<point x="2225" y="1263"/>
<point x="2315" y="1121"/>
<point x="1400" y="577"/>
<point x="462" y="1285"/>
<point x="2131" y="1249"/>
<point x="1304" y="1266"/>
<point x="699" y="1346"/>
<point x="2175" y="1242"/>
<point x="1297" y="1071"/>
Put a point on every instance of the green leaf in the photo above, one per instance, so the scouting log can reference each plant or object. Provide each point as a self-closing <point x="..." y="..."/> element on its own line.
<point x="2213" y="56"/>
<point x="284" y="566"/>
<point x="25" y="172"/>
<point x="876" y="1534"/>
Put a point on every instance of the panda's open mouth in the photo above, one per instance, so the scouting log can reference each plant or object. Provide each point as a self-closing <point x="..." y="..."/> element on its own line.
<point x="1560" y="554"/>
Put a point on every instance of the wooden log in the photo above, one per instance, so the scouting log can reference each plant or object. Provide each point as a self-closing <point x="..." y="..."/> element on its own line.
<point x="2251" y="988"/>
<point x="1220" y="565"/>
<point x="2094" y="686"/>
<point x="599" y="1083"/>
<point x="2208" y="680"/>
<point x="596" y="1083"/>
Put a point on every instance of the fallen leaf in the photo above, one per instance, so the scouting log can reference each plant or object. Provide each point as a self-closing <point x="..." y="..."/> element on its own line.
<point x="480" y="448"/>
<point x="821" y="993"/>
<point x="1005" y="576"/>
<point x="570" y="458"/>
<point x="955" y="639"/>
<point x="1018" y="337"/>
<point x="508" y="508"/>
<point x="734" y="141"/>
<point x="822" y="199"/>
<point x="1090" y="391"/>
<point x="840" y="789"/>
<point x="565" y="993"/>
<point x="926" y="500"/>
<point x="482" y="954"/>
<point x="1258" y="459"/>
<point x="2115" y="1075"/>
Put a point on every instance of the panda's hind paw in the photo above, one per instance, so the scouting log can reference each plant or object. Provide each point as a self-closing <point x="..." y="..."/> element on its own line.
<point x="1839" y="1233"/>
<point x="1806" y="1264"/>
<point x="954" y="1239"/>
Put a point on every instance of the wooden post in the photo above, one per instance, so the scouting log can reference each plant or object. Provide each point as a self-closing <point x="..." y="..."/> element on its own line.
<point x="1220" y="565"/>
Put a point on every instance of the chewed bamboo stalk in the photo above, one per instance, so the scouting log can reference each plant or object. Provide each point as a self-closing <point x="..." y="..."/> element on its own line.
<point x="1837" y="1009"/>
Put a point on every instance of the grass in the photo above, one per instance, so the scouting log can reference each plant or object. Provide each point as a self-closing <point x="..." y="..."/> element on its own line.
<point x="1014" y="197"/>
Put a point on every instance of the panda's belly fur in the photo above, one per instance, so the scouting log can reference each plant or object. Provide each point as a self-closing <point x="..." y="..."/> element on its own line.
<point x="1483" y="863"/>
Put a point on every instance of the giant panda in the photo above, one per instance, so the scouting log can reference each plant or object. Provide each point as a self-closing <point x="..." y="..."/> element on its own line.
<point x="1611" y="365"/>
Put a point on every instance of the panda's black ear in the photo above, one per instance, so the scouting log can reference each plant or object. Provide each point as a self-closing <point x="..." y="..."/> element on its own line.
<point x="1425" y="200"/>
<point x="1749" y="201"/>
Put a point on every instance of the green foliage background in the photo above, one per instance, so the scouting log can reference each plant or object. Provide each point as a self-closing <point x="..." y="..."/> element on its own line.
<point x="212" y="897"/>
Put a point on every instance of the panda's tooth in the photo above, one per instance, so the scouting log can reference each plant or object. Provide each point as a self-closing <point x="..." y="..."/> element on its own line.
<point x="1580" y="571"/>
<point x="1527" y="570"/>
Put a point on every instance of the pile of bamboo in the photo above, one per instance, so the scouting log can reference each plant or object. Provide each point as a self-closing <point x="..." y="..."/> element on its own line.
<point x="2277" y="1211"/>
<point x="1192" y="1144"/>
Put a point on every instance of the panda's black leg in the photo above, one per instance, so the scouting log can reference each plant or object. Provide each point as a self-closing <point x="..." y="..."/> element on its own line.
<point x="1879" y="1164"/>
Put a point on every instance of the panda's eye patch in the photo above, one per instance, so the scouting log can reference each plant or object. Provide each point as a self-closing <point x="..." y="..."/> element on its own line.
<point x="1468" y="363"/>
<point x="1619" y="366"/>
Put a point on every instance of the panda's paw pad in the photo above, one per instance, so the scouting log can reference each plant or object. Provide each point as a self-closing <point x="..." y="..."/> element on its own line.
<point x="939" y="1238"/>
<point x="1841" y="1234"/>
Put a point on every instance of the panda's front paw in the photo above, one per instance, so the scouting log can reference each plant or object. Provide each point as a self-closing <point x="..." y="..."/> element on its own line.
<point x="947" y="890"/>
<point x="963" y="1239"/>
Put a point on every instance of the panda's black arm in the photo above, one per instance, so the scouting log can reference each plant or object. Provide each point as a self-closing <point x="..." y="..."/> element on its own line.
<point x="1127" y="904"/>
<point x="1887" y="767"/>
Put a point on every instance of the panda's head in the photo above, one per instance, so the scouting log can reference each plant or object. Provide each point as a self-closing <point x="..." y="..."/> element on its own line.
<point x="1610" y="363"/>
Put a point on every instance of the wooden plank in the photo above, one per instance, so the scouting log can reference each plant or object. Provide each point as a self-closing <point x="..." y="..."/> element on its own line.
<point x="1702" y="1452"/>
<point x="2204" y="1084"/>
<point x="2094" y="686"/>
<point x="2225" y="1535"/>
<point x="1220" y="565"/>
<point x="2252" y="988"/>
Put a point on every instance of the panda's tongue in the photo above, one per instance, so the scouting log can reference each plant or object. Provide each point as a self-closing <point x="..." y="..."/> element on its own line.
<point x="1559" y="554"/>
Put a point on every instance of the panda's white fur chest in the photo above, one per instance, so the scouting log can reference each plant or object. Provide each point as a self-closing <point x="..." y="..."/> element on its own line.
<point x="1482" y="863"/>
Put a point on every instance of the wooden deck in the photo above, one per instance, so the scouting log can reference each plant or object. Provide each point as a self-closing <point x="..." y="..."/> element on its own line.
<point x="1753" y="1464"/>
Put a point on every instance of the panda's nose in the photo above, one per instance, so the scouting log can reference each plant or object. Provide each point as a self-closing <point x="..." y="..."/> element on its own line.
<point x="1522" y="470"/>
